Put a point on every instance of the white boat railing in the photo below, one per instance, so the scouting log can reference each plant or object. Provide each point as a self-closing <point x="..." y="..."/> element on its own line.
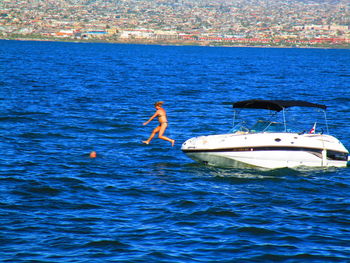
<point x="242" y="125"/>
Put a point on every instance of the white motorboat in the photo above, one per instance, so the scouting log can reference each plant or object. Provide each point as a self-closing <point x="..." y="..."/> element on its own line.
<point x="270" y="144"/>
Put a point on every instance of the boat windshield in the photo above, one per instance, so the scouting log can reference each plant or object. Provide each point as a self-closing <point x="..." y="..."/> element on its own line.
<point x="259" y="126"/>
<point x="267" y="126"/>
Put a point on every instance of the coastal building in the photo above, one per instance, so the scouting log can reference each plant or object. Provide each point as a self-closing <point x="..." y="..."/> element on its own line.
<point x="220" y="21"/>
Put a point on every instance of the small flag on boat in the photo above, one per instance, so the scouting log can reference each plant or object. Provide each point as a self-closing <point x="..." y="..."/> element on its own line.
<point x="313" y="128"/>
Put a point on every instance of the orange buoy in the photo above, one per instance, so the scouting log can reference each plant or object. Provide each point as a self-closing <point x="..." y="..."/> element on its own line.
<point x="93" y="154"/>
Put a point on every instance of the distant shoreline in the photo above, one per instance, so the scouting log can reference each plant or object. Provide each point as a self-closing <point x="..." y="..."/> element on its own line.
<point x="174" y="43"/>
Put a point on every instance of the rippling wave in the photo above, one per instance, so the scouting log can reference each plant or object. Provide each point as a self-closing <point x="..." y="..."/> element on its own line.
<point x="150" y="203"/>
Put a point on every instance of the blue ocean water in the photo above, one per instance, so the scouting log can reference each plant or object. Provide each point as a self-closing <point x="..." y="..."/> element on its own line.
<point x="150" y="203"/>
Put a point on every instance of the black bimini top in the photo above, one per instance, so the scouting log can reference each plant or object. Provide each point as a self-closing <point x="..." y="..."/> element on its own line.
<point x="276" y="105"/>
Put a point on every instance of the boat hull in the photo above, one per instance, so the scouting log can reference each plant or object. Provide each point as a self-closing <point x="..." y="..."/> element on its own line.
<point x="267" y="150"/>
